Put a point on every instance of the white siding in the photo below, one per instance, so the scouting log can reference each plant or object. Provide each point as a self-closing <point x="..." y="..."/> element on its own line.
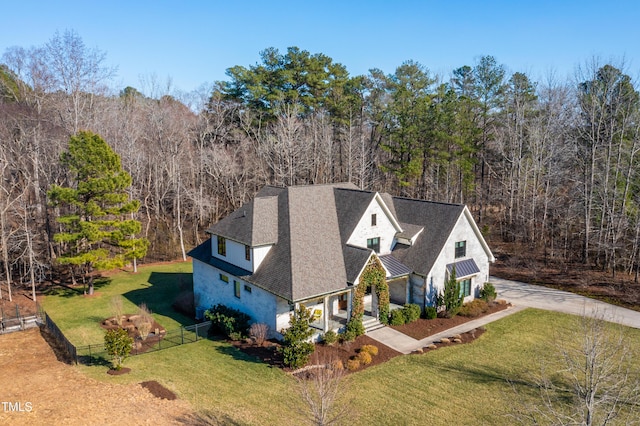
<point x="258" y="254"/>
<point x="209" y="290"/>
<point x="235" y="253"/>
<point x="384" y="228"/>
<point x="463" y="231"/>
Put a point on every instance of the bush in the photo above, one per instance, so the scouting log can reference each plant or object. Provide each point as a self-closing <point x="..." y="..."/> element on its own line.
<point x="474" y="308"/>
<point x="232" y="322"/>
<point x="364" y="358"/>
<point x="353" y="364"/>
<point x="451" y="298"/>
<point x="143" y="321"/>
<point x="430" y="312"/>
<point x="411" y="312"/>
<point x="488" y="292"/>
<point x="118" y="344"/>
<point x="348" y="336"/>
<point x="355" y="326"/>
<point x="259" y="332"/>
<point x="397" y="317"/>
<point x="296" y="349"/>
<point x="330" y="337"/>
<point x="371" y="349"/>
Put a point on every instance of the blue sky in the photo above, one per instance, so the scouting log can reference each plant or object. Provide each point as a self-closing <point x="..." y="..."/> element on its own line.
<point x="194" y="42"/>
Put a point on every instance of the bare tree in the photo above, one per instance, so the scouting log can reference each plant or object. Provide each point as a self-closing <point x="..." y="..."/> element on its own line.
<point x="589" y="379"/>
<point x="323" y="390"/>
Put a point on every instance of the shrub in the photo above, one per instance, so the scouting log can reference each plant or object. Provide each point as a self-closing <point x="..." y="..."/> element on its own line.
<point x="371" y="349"/>
<point x="430" y="312"/>
<point x="411" y="312"/>
<point x="348" y="336"/>
<point x="143" y="321"/>
<point x="488" y="292"/>
<point x="355" y="326"/>
<point x="474" y="308"/>
<point x="296" y="349"/>
<point x="118" y="344"/>
<point x="228" y="321"/>
<point x="364" y="358"/>
<point x="353" y="364"/>
<point x="330" y="337"/>
<point x="397" y="317"/>
<point x="337" y="365"/>
<point x="259" y="332"/>
<point x="117" y="309"/>
<point x="451" y="298"/>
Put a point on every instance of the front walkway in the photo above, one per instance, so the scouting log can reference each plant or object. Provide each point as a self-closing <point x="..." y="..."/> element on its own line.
<point x="521" y="296"/>
<point x="405" y="344"/>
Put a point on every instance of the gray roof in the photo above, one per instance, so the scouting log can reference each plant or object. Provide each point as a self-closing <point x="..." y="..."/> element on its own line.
<point x="464" y="268"/>
<point x="394" y="266"/>
<point x="438" y="220"/>
<point x="308" y="228"/>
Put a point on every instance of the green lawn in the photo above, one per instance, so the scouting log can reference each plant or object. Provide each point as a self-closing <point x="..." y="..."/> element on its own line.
<point x="462" y="385"/>
<point x="157" y="286"/>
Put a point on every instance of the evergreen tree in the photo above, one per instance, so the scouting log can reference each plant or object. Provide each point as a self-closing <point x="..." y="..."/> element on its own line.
<point x="94" y="233"/>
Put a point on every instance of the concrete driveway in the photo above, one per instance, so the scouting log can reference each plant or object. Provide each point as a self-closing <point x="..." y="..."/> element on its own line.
<point x="535" y="296"/>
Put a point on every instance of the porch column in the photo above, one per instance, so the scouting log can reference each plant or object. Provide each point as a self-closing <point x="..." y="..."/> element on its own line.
<point x="407" y="285"/>
<point x="325" y="309"/>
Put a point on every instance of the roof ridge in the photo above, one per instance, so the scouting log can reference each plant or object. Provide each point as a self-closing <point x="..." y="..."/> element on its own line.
<point x="428" y="201"/>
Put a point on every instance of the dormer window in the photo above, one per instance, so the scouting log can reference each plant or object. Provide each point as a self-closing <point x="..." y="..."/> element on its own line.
<point x="461" y="249"/>
<point x="373" y="219"/>
<point x="222" y="246"/>
<point x="374" y="244"/>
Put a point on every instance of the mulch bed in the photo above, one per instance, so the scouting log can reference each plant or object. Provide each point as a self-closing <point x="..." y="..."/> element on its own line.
<point x="325" y="354"/>
<point x="158" y="390"/>
<point x="114" y="372"/>
<point x="140" y="346"/>
<point x="424" y="328"/>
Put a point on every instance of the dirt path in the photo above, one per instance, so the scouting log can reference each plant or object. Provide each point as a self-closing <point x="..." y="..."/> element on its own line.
<point x="37" y="389"/>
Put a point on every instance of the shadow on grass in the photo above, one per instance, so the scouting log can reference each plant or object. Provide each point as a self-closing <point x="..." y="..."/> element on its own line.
<point x="237" y="354"/>
<point x="161" y="292"/>
<point x="205" y="418"/>
<point x="65" y="290"/>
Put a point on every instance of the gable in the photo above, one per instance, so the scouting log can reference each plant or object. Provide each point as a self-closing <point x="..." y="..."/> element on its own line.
<point x="376" y="221"/>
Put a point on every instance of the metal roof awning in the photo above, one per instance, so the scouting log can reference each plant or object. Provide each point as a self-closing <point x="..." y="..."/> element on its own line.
<point x="394" y="266"/>
<point x="464" y="268"/>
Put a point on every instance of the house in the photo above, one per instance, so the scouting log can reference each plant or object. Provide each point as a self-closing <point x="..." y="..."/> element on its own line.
<point x="310" y="244"/>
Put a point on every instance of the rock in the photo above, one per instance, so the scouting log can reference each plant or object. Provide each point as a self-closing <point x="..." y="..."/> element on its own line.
<point x="432" y="346"/>
<point x="456" y="336"/>
<point x="445" y="340"/>
<point x="457" y="340"/>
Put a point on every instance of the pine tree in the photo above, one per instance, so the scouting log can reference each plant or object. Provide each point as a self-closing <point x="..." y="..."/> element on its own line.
<point x="94" y="233"/>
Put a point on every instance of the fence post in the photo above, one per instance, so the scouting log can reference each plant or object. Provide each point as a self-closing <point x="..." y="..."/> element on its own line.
<point x="196" y="332"/>
<point x="182" y="334"/>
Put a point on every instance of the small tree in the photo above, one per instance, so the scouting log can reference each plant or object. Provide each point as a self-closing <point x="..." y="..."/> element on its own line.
<point x="297" y="349"/>
<point x="118" y="345"/>
<point x="117" y="309"/>
<point x="144" y="321"/>
<point x="451" y="298"/>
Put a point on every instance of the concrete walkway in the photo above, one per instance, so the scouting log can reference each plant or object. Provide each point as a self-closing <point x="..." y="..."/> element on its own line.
<point x="521" y="296"/>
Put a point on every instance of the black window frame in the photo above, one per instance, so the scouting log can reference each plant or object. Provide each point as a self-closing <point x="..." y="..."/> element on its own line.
<point x="247" y="288"/>
<point x="374" y="244"/>
<point x="461" y="249"/>
<point x="247" y="252"/>
<point x="374" y="219"/>
<point x="224" y="278"/>
<point x="222" y="246"/>
<point x="236" y="288"/>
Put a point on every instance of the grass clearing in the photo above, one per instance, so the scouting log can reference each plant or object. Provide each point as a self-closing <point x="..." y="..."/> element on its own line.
<point x="462" y="385"/>
<point x="157" y="286"/>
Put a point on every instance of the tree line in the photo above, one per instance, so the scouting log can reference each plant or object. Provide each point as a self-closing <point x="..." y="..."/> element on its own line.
<point x="550" y="166"/>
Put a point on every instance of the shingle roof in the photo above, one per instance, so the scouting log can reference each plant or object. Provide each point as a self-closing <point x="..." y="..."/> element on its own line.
<point x="438" y="220"/>
<point x="308" y="227"/>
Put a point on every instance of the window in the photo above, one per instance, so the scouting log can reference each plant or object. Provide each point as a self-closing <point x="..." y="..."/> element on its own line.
<point x="247" y="288"/>
<point x="236" y="288"/>
<point x="461" y="249"/>
<point x="247" y="252"/>
<point x="374" y="219"/>
<point x="222" y="246"/>
<point x="465" y="288"/>
<point x="374" y="244"/>
<point x="224" y="278"/>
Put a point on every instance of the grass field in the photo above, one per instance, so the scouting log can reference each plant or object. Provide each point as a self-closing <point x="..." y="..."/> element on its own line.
<point x="462" y="385"/>
<point x="157" y="286"/>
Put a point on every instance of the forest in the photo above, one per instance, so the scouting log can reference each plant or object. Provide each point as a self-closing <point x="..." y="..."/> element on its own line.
<point x="550" y="169"/>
